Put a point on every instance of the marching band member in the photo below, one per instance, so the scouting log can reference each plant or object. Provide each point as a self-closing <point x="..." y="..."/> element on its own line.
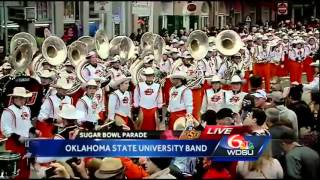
<point x="89" y="104"/>
<point x="314" y="84"/>
<point x="165" y="67"/>
<point x="207" y="64"/>
<point x="247" y="65"/>
<point x="51" y="106"/>
<point x="231" y="67"/>
<point x="311" y="48"/>
<point x="174" y="54"/>
<point x="148" y="97"/>
<point x="214" y="98"/>
<point x="46" y="78"/>
<point x="100" y="96"/>
<point x="181" y="46"/>
<point x="69" y="116"/>
<point x="180" y="100"/>
<point x="296" y="56"/>
<point x="68" y="72"/>
<point x="235" y="96"/>
<point x="192" y="71"/>
<point x="262" y="65"/>
<point x="115" y="66"/>
<point x="119" y="106"/>
<point x="275" y="57"/>
<point x="6" y="69"/>
<point x="16" y="126"/>
<point x="94" y="68"/>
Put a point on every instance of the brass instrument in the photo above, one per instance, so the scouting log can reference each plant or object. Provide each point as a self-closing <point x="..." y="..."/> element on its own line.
<point x="21" y="38"/>
<point x="54" y="50"/>
<point x="77" y="52"/>
<point x="89" y="41"/>
<point x="228" y="42"/>
<point x="36" y="65"/>
<point x="21" y="57"/>
<point x="158" y="47"/>
<point x="137" y="74"/>
<point x="122" y="46"/>
<point x="197" y="44"/>
<point x="102" y="43"/>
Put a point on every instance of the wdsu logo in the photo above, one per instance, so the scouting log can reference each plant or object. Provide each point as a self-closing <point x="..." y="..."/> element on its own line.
<point x="237" y="145"/>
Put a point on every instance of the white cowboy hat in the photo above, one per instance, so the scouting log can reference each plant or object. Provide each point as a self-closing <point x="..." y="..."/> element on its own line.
<point x="181" y="42"/>
<point x="148" y="71"/>
<point x="237" y="55"/>
<point x="91" y="82"/>
<point x="68" y="63"/>
<point x="178" y="75"/>
<point x="68" y="111"/>
<point x="118" y="80"/>
<point x="62" y="83"/>
<point x="236" y="79"/>
<point x="181" y="123"/>
<point x="91" y="53"/>
<point x="46" y="74"/>
<point x="215" y="78"/>
<point x="174" y="41"/>
<point x="285" y="37"/>
<point x="148" y="58"/>
<point x="265" y="38"/>
<point x="186" y="55"/>
<point x="174" y="50"/>
<point x="315" y="63"/>
<point x="20" y="92"/>
<point x="116" y="58"/>
<point x="6" y="65"/>
<point x="310" y="33"/>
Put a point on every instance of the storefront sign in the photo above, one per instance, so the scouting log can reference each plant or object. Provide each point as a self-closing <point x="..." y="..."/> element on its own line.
<point x="282" y="8"/>
<point x="102" y="6"/>
<point x="141" y="8"/>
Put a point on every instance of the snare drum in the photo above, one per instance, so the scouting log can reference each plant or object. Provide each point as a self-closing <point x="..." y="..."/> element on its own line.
<point x="9" y="165"/>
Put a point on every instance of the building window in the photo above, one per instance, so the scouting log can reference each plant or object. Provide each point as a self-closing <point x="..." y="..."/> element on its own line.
<point x="92" y="14"/>
<point x="43" y="10"/>
<point x="69" y="10"/>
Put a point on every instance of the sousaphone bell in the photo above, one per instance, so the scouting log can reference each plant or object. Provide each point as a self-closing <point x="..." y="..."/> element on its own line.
<point x="77" y="52"/>
<point x="197" y="44"/>
<point x="228" y="42"/>
<point x="102" y="43"/>
<point x="21" y="38"/>
<point x="21" y="57"/>
<point x="122" y="46"/>
<point x="54" y="50"/>
<point x="89" y="41"/>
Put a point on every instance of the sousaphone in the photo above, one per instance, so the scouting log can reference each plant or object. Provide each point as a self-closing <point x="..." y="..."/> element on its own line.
<point x="158" y="47"/>
<point x="146" y="44"/>
<point x="89" y="41"/>
<point x="198" y="44"/>
<point x="21" y="57"/>
<point x="102" y="43"/>
<point x="122" y="46"/>
<point x="228" y="42"/>
<point x="77" y="52"/>
<point x="54" y="50"/>
<point x="21" y="38"/>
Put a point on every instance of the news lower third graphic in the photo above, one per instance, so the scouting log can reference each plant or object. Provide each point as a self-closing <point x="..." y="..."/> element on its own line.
<point x="225" y="146"/>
